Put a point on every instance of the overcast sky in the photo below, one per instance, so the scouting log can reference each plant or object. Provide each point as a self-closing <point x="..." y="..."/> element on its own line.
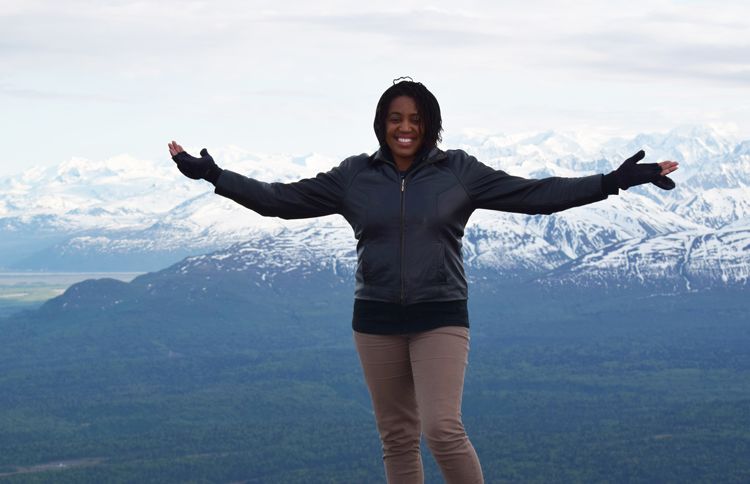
<point x="96" y="79"/>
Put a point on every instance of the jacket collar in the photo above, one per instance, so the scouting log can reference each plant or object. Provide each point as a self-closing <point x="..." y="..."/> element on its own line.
<point x="435" y="154"/>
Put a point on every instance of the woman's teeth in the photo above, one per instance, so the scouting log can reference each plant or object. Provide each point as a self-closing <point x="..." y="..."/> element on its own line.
<point x="404" y="140"/>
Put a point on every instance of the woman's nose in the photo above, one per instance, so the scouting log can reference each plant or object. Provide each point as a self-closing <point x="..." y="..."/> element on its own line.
<point x="406" y="126"/>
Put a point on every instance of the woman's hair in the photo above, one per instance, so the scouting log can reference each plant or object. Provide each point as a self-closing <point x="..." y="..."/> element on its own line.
<point x="427" y="106"/>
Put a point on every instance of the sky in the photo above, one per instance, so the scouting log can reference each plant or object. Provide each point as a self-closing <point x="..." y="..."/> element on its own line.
<point x="97" y="79"/>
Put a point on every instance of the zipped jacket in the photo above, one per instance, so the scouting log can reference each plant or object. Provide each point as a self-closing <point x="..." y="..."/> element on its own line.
<point x="409" y="228"/>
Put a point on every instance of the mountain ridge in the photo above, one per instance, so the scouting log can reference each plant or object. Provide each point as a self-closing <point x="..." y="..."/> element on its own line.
<point x="130" y="214"/>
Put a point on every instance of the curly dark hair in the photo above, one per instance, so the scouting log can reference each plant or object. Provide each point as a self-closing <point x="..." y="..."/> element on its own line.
<point x="427" y="106"/>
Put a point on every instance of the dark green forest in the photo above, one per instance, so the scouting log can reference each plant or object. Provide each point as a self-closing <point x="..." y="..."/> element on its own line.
<point x="231" y="385"/>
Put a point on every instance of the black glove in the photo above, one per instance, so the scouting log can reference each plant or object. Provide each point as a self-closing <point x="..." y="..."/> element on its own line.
<point x="197" y="168"/>
<point x="630" y="174"/>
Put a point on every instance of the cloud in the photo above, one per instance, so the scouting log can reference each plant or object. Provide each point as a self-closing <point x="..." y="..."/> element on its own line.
<point x="425" y="27"/>
<point x="51" y="95"/>
<point x="659" y="61"/>
<point x="662" y="48"/>
<point x="308" y="66"/>
<point x="283" y="93"/>
<point x="654" y="68"/>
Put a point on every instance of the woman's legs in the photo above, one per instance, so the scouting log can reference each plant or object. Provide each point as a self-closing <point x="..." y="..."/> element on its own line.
<point x="426" y="371"/>
<point x="438" y="361"/>
<point x="387" y="370"/>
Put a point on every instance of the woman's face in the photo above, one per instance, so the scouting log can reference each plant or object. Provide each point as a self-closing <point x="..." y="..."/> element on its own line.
<point x="404" y="131"/>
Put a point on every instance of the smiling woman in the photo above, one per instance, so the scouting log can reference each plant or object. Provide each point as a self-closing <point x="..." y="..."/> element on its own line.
<point x="408" y="204"/>
<point x="404" y="131"/>
<point x="407" y="120"/>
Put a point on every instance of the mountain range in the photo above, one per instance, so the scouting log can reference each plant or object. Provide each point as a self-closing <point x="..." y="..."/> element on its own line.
<point x="137" y="215"/>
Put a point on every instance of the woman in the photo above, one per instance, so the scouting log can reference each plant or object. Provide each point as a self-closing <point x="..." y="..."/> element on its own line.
<point x="408" y="204"/>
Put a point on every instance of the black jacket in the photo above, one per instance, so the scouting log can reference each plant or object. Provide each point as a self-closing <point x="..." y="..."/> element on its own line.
<point x="409" y="228"/>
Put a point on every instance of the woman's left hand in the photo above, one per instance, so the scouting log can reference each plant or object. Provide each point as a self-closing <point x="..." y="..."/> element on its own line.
<point x="631" y="173"/>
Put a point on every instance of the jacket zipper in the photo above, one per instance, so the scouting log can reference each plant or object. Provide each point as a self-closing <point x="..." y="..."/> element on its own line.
<point x="403" y="187"/>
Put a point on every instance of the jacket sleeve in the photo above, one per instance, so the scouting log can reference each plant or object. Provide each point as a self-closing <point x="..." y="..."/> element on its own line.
<point x="310" y="197"/>
<point x="497" y="190"/>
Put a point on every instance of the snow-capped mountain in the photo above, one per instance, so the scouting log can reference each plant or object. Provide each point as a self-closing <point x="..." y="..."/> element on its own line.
<point x="145" y="215"/>
<point x="123" y="212"/>
<point x="684" y="261"/>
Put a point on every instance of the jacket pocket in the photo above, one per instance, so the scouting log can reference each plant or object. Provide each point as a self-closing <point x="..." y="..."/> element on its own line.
<point x="427" y="265"/>
<point x="374" y="266"/>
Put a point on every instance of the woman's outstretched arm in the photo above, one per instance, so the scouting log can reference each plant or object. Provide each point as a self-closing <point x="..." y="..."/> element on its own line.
<point x="311" y="197"/>
<point x="497" y="190"/>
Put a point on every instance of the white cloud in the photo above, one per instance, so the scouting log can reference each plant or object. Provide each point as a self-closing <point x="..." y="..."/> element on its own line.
<point x="298" y="76"/>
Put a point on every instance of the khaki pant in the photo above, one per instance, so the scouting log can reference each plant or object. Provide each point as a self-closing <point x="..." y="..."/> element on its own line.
<point x="416" y="383"/>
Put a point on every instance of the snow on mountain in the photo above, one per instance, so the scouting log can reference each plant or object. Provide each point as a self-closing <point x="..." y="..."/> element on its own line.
<point x="692" y="146"/>
<point x="522" y="147"/>
<point x="674" y="262"/>
<point x="743" y="223"/>
<point x="114" y="194"/>
<point x="128" y="208"/>
<point x="325" y="244"/>
<point x="581" y="230"/>
<point x="119" y="192"/>
<point x="715" y="207"/>
<point x="501" y="242"/>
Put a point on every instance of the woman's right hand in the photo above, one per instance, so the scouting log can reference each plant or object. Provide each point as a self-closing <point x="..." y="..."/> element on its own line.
<point x="192" y="167"/>
<point x="174" y="148"/>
